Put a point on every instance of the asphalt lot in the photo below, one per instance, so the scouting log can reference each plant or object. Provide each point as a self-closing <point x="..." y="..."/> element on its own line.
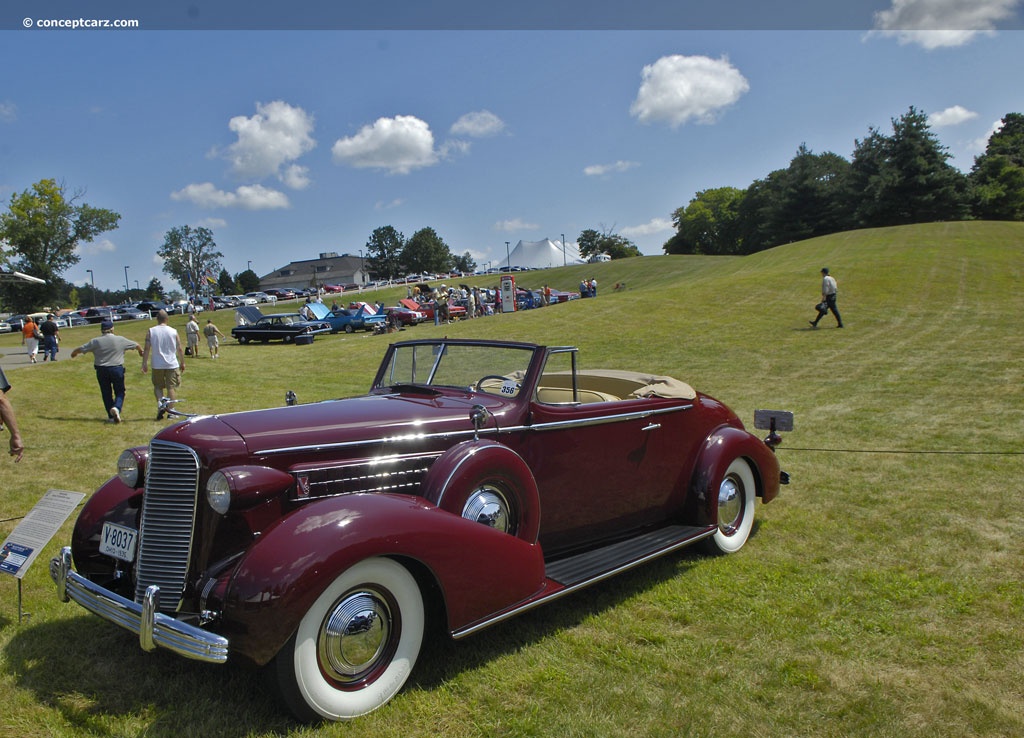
<point x="14" y="357"/>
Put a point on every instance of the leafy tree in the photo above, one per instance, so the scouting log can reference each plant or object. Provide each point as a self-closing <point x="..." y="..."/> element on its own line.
<point x="384" y="252"/>
<point x="708" y="225"/>
<point x="190" y="255"/>
<point x="465" y="263"/>
<point x="154" y="290"/>
<point x="997" y="177"/>
<point x="808" y="198"/>
<point x="247" y="281"/>
<point x="42" y="229"/>
<point x="226" y="285"/>
<point x="619" y="247"/>
<point x="426" y="253"/>
<point x="589" y="243"/>
<point x="905" y="178"/>
<point x="592" y="242"/>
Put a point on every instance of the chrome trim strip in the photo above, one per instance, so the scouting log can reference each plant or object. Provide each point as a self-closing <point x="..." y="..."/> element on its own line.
<point x="410" y="437"/>
<point x="470" y="630"/>
<point x="603" y="419"/>
<point x="164" y="631"/>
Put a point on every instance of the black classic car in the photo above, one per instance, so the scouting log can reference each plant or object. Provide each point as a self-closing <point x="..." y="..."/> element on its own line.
<point x="285" y="327"/>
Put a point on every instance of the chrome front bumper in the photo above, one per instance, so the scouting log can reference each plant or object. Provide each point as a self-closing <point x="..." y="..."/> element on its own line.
<point x="153" y="628"/>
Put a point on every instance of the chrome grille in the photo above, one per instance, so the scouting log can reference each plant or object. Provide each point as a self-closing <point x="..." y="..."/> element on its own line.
<point x="168" y="518"/>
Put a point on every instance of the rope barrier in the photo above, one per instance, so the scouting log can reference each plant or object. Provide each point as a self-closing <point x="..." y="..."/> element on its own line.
<point x="899" y="451"/>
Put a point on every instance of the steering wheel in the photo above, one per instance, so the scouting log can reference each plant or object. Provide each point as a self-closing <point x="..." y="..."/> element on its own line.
<point x="484" y="378"/>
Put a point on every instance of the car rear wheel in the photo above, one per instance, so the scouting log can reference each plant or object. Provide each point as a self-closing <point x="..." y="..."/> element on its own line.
<point x="349" y="328"/>
<point x="356" y="645"/>
<point x="736" y="493"/>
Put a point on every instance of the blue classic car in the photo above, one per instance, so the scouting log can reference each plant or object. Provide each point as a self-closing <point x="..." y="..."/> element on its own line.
<point x="356" y="317"/>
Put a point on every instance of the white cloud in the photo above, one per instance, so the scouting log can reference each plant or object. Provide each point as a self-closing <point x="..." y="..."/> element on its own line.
<point x="678" y="89"/>
<point x="398" y="145"/>
<point x="381" y="205"/>
<point x="598" y="170"/>
<point x="212" y="223"/>
<point x="978" y="145"/>
<point x="478" y="124"/>
<point x="952" y="116"/>
<point x="515" y="224"/>
<point x="8" y="112"/>
<point x="269" y="141"/>
<point x="934" y="24"/>
<point x="296" y="177"/>
<point x="248" y="197"/>
<point x="655" y="225"/>
<point x="94" y="248"/>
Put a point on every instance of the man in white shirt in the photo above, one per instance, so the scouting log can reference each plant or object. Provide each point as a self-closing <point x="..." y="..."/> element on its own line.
<point x="168" y="360"/>
<point x="828" y="299"/>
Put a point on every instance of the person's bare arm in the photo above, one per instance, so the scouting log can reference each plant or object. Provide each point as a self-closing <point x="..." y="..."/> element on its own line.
<point x="8" y="419"/>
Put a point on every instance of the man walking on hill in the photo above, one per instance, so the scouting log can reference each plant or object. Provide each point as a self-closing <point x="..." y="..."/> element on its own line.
<point x="163" y="344"/>
<point x="828" y="299"/>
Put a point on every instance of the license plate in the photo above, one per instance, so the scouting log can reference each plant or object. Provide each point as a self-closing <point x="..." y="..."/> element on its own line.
<point x="118" y="541"/>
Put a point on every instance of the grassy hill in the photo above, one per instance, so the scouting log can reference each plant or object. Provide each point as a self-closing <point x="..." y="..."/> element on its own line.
<point x="881" y="594"/>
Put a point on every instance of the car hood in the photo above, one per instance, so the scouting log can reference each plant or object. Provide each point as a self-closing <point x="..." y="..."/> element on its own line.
<point x="368" y="418"/>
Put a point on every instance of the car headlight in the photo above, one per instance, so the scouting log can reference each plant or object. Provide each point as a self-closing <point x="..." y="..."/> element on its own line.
<point x="130" y="467"/>
<point x="218" y="492"/>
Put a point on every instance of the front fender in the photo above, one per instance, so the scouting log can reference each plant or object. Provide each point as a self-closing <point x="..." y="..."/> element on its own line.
<point x="478" y="570"/>
<point x="115" y="502"/>
<point x="721" y="448"/>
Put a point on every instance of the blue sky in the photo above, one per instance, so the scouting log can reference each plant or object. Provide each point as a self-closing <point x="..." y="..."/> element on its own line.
<point x="287" y="144"/>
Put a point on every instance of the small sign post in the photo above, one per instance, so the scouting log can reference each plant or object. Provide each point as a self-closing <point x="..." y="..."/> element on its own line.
<point x="32" y="534"/>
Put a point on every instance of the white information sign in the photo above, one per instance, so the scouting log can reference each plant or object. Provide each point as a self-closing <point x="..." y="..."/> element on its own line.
<point x="36" y="529"/>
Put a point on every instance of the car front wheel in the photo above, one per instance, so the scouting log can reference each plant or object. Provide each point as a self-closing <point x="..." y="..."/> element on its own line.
<point x="736" y="494"/>
<point x="356" y="645"/>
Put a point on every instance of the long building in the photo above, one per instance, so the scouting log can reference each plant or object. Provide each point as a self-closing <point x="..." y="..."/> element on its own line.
<point x="328" y="269"/>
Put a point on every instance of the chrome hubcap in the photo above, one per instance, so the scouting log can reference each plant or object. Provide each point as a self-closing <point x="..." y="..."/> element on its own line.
<point x="730" y="506"/>
<point x="487" y="505"/>
<point x="355" y="635"/>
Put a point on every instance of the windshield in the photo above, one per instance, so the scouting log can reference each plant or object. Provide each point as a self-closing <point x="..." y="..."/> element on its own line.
<point x="495" y="369"/>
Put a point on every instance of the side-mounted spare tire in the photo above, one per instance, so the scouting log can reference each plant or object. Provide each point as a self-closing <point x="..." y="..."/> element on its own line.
<point x="485" y="481"/>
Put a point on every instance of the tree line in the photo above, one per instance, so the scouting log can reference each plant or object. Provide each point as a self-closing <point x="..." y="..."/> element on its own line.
<point x="892" y="179"/>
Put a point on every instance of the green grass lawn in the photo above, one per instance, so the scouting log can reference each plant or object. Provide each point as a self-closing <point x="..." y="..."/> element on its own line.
<point x="880" y="594"/>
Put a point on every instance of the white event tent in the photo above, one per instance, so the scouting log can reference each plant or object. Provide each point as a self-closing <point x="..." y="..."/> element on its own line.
<point x="542" y="255"/>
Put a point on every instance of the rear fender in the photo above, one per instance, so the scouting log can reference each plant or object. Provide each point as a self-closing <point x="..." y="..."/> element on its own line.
<point x="478" y="570"/>
<point x="721" y="448"/>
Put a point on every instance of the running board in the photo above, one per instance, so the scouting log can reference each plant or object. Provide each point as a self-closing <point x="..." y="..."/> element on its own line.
<point x="604" y="562"/>
<point x="575" y="572"/>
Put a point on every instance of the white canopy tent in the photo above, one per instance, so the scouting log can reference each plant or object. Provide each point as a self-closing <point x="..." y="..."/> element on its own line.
<point x="542" y="255"/>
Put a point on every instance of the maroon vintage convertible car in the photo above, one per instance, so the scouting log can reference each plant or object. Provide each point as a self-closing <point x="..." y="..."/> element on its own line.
<point x="476" y="479"/>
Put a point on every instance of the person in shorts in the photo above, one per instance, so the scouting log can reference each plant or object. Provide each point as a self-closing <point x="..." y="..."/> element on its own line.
<point x="163" y="348"/>
<point x="213" y="336"/>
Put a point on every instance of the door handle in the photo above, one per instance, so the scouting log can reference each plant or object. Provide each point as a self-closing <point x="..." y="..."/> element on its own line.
<point x="652" y="426"/>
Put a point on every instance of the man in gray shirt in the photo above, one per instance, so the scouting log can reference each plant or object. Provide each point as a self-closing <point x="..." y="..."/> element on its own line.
<point x="108" y="352"/>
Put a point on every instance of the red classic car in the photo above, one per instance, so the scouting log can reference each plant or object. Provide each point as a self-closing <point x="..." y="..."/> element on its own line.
<point x="475" y="480"/>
